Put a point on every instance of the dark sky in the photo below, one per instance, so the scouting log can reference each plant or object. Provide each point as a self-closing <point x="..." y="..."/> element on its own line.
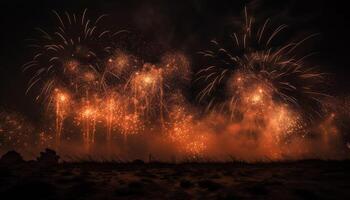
<point x="172" y="25"/>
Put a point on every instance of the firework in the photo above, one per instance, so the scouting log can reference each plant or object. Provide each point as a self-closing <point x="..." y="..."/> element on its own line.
<point x="68" y="56"/>
<point x="112" y="111"/>
<point x="176" y="69"/>
<point x="120" y="63"/>
<point x="61" y="108"/>
<point x="184" y="132"/>
<point x="131" y="123"/>
<point x="255" y="65"/>
<point x="15" y="132"/>
<point x="87" y="117"/>
<point x="147" y="91"/>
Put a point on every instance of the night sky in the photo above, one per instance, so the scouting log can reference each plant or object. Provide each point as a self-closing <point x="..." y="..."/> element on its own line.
<point x="163" y="26"/>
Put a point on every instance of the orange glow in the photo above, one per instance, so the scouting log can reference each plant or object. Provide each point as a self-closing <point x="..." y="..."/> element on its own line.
<point x="89" y="76"/>
<point x="147" y="91"/>
<point x="61" y="110"/>
<point x="119" y="63"/>
<point x="88" y="116"/>
<point x="72" y="65"/>
<point x="183" y="133"/>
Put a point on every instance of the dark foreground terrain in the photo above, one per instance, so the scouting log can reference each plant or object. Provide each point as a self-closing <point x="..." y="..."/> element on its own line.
<point x="45" y="179"/>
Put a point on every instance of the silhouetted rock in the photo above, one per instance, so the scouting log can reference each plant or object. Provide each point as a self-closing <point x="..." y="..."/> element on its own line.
<point x="186" y="184"/>
<point x="136" y="185"/>
<point x="49" y="157"/>
<point x="11" y="158"/>
<point x="133" y="188"/>
<point x="30" y="189"/>
<point x="306" y="194"/>
<point x="257" y="189"/>
<point x="209" y="185"/>
<point x="138" y="161"/>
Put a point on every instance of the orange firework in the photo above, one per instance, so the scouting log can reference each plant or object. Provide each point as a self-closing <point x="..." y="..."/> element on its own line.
<point x="61" y="108"/>
<point x="118" y="68"/>
<point x="176" y="68"/>
<point x="69" y="56"/>
<point x="119" y="63"/>
<point x="255" y="61"/>
<point x="87" y="117"/>
<point x="71" y="66"/>
<point x="183" y="132"/>
<point x="130" y="124"/>
<point x="15" y="132"/>
<point x="112" y="108"/>
<point x="147" y="91"/>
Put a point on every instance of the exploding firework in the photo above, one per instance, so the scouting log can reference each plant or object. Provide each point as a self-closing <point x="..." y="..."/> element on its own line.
<point x="68" y="56"/>
<point x="147" y="91"/>
<point x="119" y="66"/>
<point x="111" y="109"/>
<point x="15" y="132"/>
<point x="255" y="71"/>
<point x="176" y="69"/>
<point x="185" y="133"/>
<point x="87" y="117"/>
<point x="62" y="102"/>
<point x="259" y="94"/>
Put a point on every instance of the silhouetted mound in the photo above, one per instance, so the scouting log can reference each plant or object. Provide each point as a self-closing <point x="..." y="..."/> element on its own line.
<point x="133" y="188"/>
<point x="138" y="162"/>
<point x="11" y="158"/>
<point x="49" y="157"/>
<point x="186" y="184"/>
<point x="32" y="189"/>
<point x="47" y="179"/>
<point x="209" y="185"/>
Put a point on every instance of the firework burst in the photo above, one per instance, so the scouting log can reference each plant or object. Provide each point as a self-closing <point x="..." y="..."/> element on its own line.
<point x="88" y="119"/>
<point x="183" y="131"/>
<point x="256" y="71"/>
<point x="62" y="103"/>
<point x="147" y="91"/>
<point x="15" y="131"/>
<point x="69" y="55"/>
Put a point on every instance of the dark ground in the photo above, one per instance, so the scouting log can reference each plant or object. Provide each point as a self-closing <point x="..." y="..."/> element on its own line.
<point x="312" y="179"/>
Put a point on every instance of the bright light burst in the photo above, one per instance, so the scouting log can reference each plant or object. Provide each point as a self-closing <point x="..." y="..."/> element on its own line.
<point x="256" y="63"/>
<point x="261" y="91"/>
<point x="87" y="119"/>
<point x="147" y="91"/>
<point x="15" y="131"/>
<point x="69" y="55"/>
<point x="62" y="103"/>
<point x="184" y="132"/>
